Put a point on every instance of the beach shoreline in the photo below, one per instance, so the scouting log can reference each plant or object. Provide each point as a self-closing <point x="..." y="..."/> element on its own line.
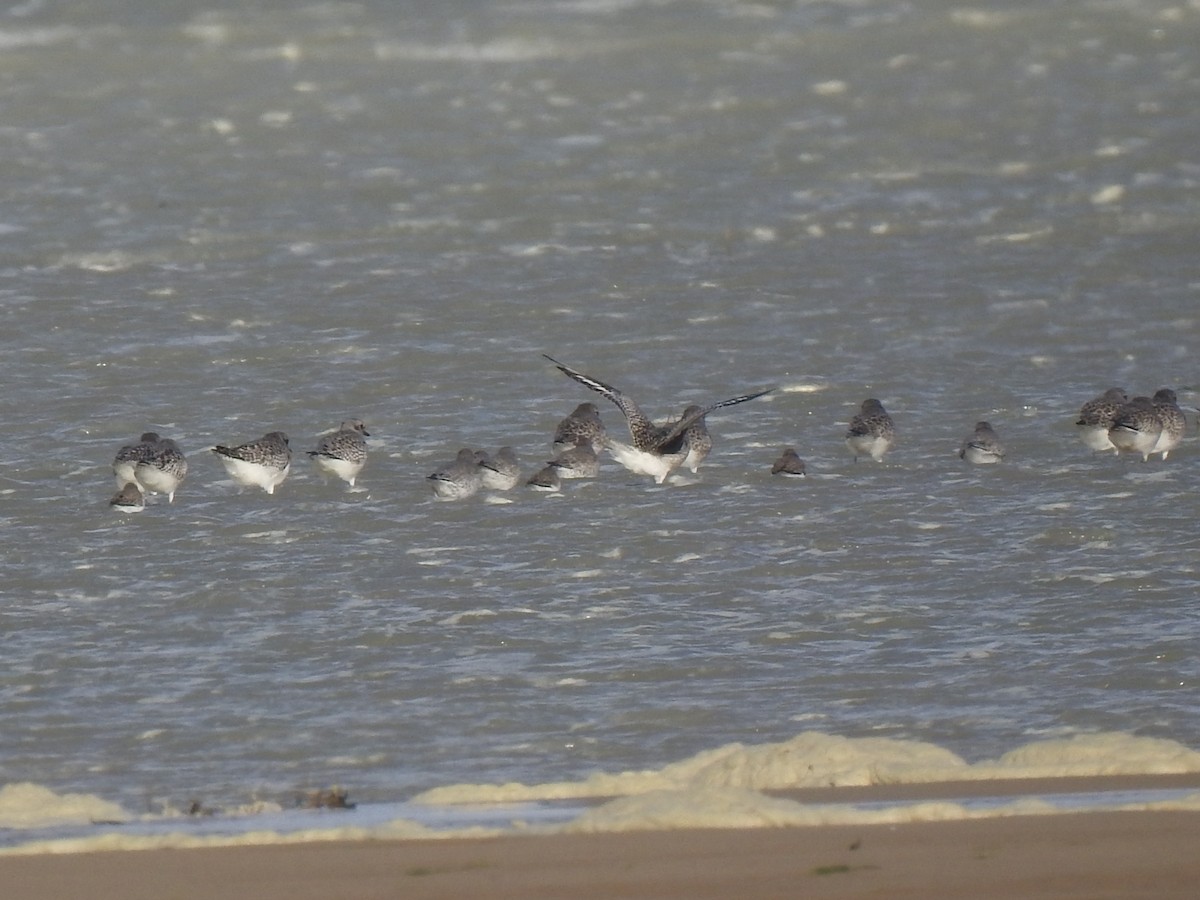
<point x="1092" y="854"/>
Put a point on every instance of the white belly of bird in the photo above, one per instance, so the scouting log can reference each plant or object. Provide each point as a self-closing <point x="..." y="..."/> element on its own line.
<point x="339" y="468"/>
<point x="255" y="474"/>
<point x="980" y="456"/>
<point x="124" y="472"/>
<point x="1095" y="437"/>
<point x="156" y="480"/>
<point x="1130" y="440"/>
<point x="640" y="462"/>
<point x="874" y="447"/>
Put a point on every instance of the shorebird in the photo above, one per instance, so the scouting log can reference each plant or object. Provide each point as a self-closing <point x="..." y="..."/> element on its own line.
<point x="1136" y="427"/>
<point x="264" y="463"/>
<point x="343" y="453"/>
<point x="789" y="464"/>
<point x="983" y="446"/>
<point x="578" y="462"/>
<point x="696" y="438"/>
<point x="460" y="479"/>
<point x="581" y="425"/>
<point x="128" y="500"/>
<point x="1096" y="418"/>
<point x="872" y="432"/>
<point x="500" y="472"/>
<point x="164" y="470"/>
<point x="546" y="479"/>
<point x="1172" y="420"/>
<point x="127" y="458"/>
<point x="657" y="450"/>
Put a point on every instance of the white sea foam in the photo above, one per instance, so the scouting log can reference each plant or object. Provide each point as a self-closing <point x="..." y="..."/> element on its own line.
<point x="707" y="807"/>
<point x="814" y="759"/>
<point x="718" y="807"/>
<point x="1111" y="753"/>
<point x="26" y="805"/>
<point x="724" y="807"/>
<point x="720" y="788"/>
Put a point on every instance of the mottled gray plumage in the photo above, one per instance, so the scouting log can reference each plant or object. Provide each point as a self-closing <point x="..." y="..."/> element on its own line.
<point x="458" y="480"/>
<point x="789" y="464"/>
<point x="1096" y="418"/>
<point x="983" y="446"/>
<point x="872" y="432"/>
<point x="657" y="450"/>
<point x="1171" y="420"/>
<point x="164" y="470"/>
<point x="263" y="463"/>
<point x="127" y="458"/>
<point x="696" y="438"/>
<point x="129" y="499"/>
<point x="1136" y="427"/>
<point x="578" y="462"/>
<point x="343" y="453"/>
<point x="500" y="472"/>
<point x="644" y="432"/>
<point x="546" y="479"/>
<point x="581" y="425"/>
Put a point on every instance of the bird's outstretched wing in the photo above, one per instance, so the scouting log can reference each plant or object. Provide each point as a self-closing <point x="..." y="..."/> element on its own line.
<point x="672" y="440"/>
<point x="640" y="427"/>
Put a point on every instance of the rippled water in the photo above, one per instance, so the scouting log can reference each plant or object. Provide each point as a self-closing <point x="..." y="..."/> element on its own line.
<point x="222" y="222"/>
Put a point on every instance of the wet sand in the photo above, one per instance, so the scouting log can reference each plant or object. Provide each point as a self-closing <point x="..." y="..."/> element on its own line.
<point x="1078" y="855"/>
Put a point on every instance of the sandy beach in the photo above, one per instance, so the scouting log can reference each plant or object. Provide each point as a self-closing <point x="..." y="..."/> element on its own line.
<point x="1091" y="855"/>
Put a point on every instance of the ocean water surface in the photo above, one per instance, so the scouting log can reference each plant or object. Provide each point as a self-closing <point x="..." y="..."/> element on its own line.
<point x="222" y="221"/>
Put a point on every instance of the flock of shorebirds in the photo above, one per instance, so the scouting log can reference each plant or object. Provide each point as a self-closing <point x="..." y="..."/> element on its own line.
<point x="1112" y="421"/>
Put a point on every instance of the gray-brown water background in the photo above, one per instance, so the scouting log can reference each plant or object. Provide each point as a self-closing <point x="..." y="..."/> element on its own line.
<point x="221" y="221"/>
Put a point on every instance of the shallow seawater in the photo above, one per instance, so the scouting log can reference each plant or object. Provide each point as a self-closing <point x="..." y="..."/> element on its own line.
<point x="222" y="222"/>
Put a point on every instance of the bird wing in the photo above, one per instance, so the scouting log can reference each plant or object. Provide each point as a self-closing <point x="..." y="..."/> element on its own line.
<point x="672" y="440"/>
<point x="640" y="427"/>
